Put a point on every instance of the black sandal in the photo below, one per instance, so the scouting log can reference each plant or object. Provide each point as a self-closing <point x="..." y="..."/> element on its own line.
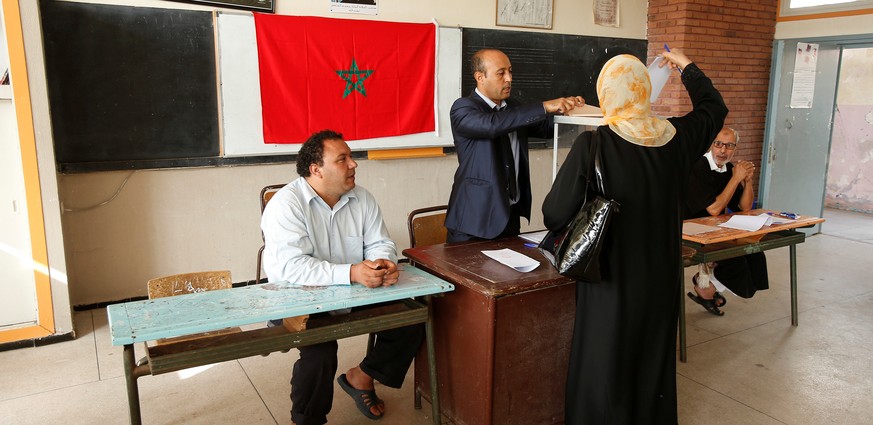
<point x="720" y="300"/>
<point x="709" y="305"/>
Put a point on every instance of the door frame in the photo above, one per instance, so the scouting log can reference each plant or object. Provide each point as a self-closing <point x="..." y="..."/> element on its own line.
<point x="776" y="68"/>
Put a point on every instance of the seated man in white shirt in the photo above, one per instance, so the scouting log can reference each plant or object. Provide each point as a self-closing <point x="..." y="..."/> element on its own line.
<point x="321" y="229"/>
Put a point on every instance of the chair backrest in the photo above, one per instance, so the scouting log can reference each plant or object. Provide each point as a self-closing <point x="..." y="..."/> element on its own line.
<point x="427" y="226"/>
<point x="266" y="194"/>
<point x="189" y="283"/>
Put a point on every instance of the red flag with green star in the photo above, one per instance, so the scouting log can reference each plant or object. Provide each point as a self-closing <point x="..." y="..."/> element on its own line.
<point x="364" y="79"/>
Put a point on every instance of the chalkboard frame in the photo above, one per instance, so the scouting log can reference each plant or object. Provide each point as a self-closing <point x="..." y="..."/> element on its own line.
<point x="264" y="6"/>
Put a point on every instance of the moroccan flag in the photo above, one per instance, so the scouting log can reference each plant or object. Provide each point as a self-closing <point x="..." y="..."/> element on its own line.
<point x="364" y="79"/>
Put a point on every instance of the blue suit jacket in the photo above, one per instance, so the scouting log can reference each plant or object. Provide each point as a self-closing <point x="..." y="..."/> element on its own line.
<point x="479" y="203"/>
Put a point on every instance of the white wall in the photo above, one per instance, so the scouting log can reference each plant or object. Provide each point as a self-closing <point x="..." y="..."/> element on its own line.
<point x="850" y="164"/>
<point x="175" y="221"/>
<point x="847" y="25"/>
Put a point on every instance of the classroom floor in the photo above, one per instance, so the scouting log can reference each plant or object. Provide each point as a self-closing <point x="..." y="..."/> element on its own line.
<point x="747" y="367"/>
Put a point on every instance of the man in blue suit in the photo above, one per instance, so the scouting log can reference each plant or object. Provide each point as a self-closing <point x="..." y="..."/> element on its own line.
<point x="491" y="191"/>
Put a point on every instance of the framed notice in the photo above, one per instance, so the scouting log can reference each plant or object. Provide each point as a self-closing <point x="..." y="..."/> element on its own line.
<point x="525" y="13"/>
<point x="255" y="5"/>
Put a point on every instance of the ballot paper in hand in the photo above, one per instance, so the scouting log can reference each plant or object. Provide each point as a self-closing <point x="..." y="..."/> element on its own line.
<point x="585" y="111"/>
<point x="513" y="259"/>
<point x="749" y="223"/>
<point x="658" y="75"/>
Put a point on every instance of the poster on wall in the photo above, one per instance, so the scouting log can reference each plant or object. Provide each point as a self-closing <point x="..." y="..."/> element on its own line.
<point x="803" y="86"/>
<point x="525" y="13"/>
<point x="363" y="7"/>
<point x="606" y="13"/>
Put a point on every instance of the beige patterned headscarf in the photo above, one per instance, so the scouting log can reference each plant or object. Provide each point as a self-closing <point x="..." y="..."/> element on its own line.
<point x="623" y="88"/>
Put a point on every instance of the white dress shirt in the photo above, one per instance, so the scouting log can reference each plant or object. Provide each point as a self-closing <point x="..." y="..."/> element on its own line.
<point x="309" y="243"/>
<point x="712" y="164"/>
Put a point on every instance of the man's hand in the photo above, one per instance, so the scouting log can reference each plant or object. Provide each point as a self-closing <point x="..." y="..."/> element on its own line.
<point x="373" y="274"/>
<point x="743" y="171"/>
<point x="562" y="105"/>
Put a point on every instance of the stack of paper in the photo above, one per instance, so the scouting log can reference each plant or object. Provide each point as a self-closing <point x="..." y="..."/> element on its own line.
<point x="749" y="223"/>
<point x="513" y="259"/>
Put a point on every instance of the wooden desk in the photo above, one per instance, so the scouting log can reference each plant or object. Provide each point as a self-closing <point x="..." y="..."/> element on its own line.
<point x="729" y="243"/>
<point x="149" y="320"/>
<point x="503" y="337"/>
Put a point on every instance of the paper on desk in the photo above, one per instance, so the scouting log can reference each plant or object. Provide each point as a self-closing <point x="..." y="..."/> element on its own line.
<point x="535" y="237"/>
<point x="748" y="222"/>
<point x="696" y="229"/>
<point x="513" y="259"/>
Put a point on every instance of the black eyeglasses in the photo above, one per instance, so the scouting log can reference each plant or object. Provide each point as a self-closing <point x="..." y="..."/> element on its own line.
<point x="728" y="146"/>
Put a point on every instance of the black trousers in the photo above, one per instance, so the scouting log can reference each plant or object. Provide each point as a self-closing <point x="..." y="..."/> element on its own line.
<point x="744" y="275"/>
<point x="312" y="380"/>
<point x="513" y="228"/>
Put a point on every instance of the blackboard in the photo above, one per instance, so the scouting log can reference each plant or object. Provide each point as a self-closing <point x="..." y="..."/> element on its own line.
<point x="546" y="66"/>
<point x="127" y="84"/>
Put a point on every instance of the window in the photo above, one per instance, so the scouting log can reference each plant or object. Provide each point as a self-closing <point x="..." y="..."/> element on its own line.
<point x="790" y="10"/>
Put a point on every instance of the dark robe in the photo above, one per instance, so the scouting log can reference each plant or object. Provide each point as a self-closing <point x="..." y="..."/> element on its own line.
<point x="742" y="275"/>
<point x="623" y="358"/>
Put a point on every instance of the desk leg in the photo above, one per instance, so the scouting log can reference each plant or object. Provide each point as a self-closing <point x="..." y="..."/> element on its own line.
<point x="132" y="388"/>
<point x="683" y="343"/>
<point x="792" y="249"/>
<point x="431" y="361"/>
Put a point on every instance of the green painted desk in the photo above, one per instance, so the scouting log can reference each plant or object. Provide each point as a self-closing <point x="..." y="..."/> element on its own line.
<point x="729" y="243"/>
<point x="149" y="320"/>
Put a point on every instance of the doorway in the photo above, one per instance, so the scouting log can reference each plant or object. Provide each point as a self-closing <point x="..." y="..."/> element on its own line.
<point x="798" y="138"/>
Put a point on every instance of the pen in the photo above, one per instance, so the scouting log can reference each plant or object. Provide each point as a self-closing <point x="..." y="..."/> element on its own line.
<point x="530" y="245"/>
<point x="784" y="214"/>
<point x="667" y="48"/>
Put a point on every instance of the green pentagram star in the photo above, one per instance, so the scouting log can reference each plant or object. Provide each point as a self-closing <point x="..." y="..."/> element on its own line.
<point x="354" y="78"/>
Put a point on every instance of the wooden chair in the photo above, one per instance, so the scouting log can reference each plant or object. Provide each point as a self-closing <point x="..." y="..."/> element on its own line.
<point x="188" y="283"/>
<point x="427" y="226"/>
<point x="266" y="194"/>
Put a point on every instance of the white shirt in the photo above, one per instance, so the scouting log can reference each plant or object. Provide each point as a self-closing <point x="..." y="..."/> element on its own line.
<point x="309" y="243"/>
<point x="513" y="140"/>
<point x="712" y="165"/>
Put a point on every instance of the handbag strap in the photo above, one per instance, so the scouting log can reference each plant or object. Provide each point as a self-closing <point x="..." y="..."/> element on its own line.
<point x="595" y="168"/>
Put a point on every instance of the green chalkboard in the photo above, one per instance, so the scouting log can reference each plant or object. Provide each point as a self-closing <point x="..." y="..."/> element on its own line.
<point x="129" y="84"/>
<point x="546" y="66"/>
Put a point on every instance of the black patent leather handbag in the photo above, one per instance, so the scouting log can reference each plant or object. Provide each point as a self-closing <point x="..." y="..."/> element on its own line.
<point x="575" y="250"/>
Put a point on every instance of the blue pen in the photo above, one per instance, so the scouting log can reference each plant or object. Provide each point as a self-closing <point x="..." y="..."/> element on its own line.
<point x="784" y="214"/>
<point x="530" y="245"/>
<point x="667" y="48"/>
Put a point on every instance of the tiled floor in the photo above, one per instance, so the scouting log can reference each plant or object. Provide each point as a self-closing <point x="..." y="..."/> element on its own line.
<point x="748" y="367"/>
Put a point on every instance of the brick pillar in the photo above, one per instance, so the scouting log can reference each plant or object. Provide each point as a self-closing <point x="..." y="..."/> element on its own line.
<point x="732" y="42"/>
